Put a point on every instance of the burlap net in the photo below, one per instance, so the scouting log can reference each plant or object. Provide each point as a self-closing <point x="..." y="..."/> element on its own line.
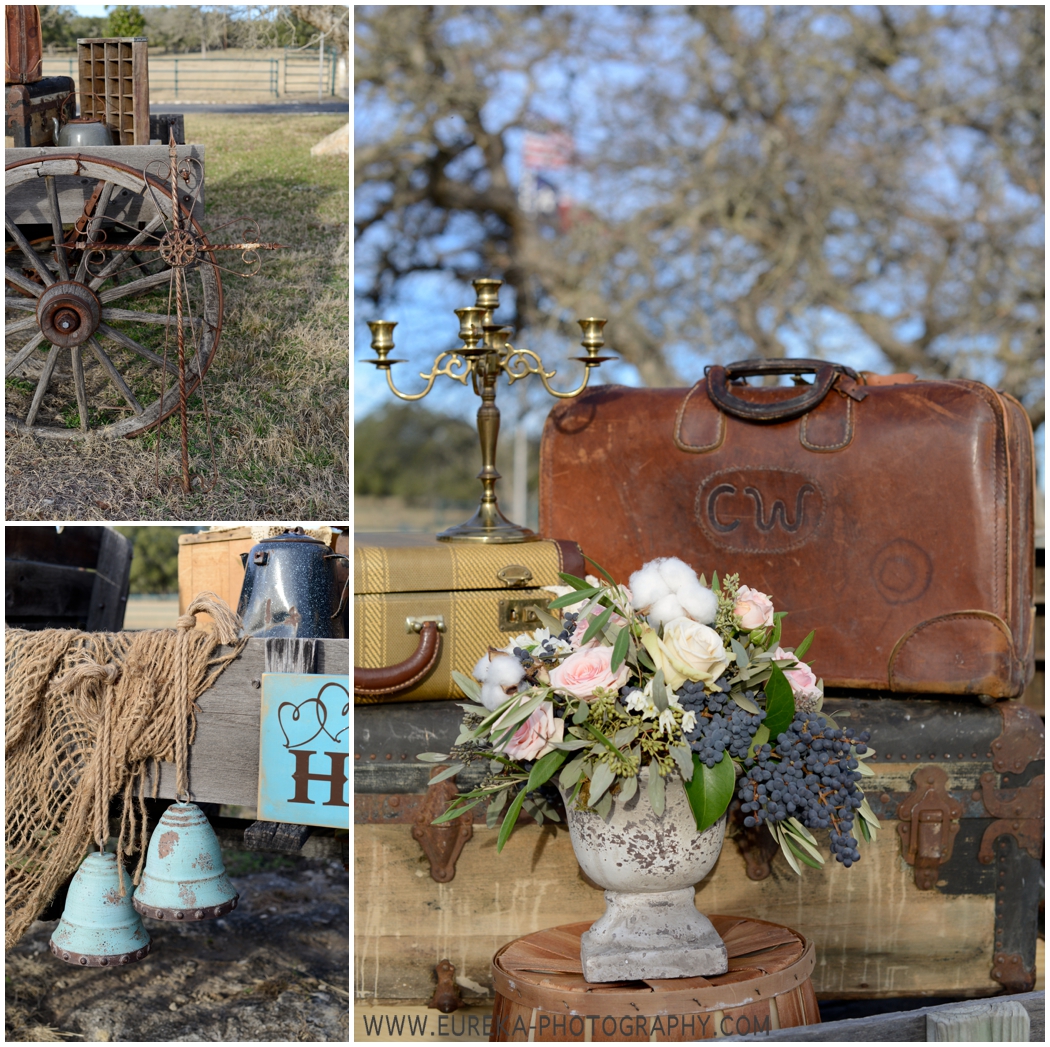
<point x="87" y="713"/>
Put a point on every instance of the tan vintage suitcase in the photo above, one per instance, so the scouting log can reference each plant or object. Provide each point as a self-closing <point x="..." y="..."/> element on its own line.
<point x="894" y="517"/>
<point x="479" y="595"/>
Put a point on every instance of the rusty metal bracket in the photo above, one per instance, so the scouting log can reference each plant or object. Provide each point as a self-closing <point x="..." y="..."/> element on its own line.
<point x="1009" y="970"/>
<point x="1018" y="812"/>
<point x="928" y="824"/>
<point x="1021" y="741"/>
<point x="447" y="997"/>
<point x="442" y="844"/>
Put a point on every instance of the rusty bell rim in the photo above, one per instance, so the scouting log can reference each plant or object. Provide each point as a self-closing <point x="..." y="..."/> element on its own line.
<point x="203" y="912"/>
<point x="79" y="959"/>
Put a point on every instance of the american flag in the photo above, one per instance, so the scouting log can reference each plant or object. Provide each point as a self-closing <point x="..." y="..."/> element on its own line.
<point x="547" y="152"/>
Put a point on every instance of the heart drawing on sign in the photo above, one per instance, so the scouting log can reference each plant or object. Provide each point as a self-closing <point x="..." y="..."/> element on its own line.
<point x="303" y="722"/>
<point x="342" y="720"/>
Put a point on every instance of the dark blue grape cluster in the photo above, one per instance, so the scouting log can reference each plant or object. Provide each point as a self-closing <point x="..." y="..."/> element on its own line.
<point x="546" y="651"/>
<point x="721" y="724"/>
<point x="812" y="776"/>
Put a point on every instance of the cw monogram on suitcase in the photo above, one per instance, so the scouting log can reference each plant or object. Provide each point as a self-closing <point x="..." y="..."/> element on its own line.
<point x="893" y="516"/>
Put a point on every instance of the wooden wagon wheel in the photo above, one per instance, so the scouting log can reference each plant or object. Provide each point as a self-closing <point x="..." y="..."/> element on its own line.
<point x="90" y="335"/>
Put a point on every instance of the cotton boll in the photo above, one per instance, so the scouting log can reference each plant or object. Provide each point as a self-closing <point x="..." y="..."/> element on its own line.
<point x="505" y="671"/>
<point x="481" y="670"/>
<point x="647" y="586"/>
<point x="664" y="610"/>
<point x="676" y="573"/>
<point x="698" y="603"/>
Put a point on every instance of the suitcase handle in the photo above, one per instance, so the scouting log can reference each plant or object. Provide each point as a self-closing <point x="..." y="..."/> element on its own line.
<point x="718" y="379"/>
<point x="393" y="679"/>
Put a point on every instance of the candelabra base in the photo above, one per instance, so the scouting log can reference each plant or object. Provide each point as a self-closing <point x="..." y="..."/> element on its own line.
<point x="492" y="528"/>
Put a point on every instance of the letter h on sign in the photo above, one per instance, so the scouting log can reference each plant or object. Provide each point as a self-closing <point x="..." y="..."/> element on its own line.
<point x="304" y="749"/>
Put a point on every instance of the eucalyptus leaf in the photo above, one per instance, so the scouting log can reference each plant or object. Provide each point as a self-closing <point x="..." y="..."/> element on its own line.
<point x="868" y="815"/>
<point x="499" y="800"/>
<point x="583" y="710"/>
<point x="570" y="773"/>
<point x="780" y="704"/>
<point x="659" y="691"/>
<point x="683" y="756"/>
<point x="471" y="707"/>
<point x="517" y="714"/>
<point x="603" y="807"/>
<point x="745" y="703"/>
<point x="572" y="745"/>
<point x="656" y="790"/>
<point x="548" y="621"/>
<point x="455" y="812"/>
<point x="448" y="772"/>
<point x="710" y="790"/>
<point x="785" y="850"/>
<point x="509" y="821"/>
<point x="623" y="639"/>
<point x="865" y="770"/>
<point x="624" y="736"/>
<point x="543" y="769"/>
<point x="644" y="660"/>
<point x="601" y="738"/>
<point x="741" y="654"/>
<point x="468" y="685"/>
<point x="602" y="777"/>
<point x="801" y="830"/>
<point x="628" y="788"/>
<point x="432" y="757"/>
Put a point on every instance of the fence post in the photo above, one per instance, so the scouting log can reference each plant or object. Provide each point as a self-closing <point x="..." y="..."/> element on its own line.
<point x="273" y="77"/>
<point x="176" y="79"/>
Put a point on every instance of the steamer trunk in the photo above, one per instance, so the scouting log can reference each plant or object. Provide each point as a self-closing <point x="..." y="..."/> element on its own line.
<point x="945" y="902"/>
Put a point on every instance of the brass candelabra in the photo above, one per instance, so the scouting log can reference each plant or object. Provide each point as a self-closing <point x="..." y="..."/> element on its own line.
<point x="485" y="354"/>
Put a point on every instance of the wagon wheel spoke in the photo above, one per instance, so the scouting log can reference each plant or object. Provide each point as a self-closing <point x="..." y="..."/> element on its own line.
<point x="45" y="381"/>
<point x="56" y="226"/>
<point x="113" y="265"/>
<point x="114" y="375"/>
<point x="30" y="255"/>
<point x="17" y="326"/>
<point x="130" y="343"/>
<point x="13" y="276"/>
<point x="149" y="318"/>
<point x="93" y="225"/>
<point x="81" y="386"/>
<point x="23" y="354"/>
<point x="21" y="304"/>
<point x="135" y="287"/>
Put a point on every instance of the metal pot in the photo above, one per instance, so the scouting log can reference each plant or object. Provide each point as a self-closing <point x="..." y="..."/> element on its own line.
<point x="295" y="586"/>
<point x="80" y="133"/>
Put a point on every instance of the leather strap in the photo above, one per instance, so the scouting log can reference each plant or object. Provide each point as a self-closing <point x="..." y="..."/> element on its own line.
<point x="571" y="557"/>
<point x="393" y="679"/>
<point x="826" y="374"/>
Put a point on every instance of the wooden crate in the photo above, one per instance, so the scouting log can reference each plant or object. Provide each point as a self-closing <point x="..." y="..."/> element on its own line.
<point x="114" y="86"/>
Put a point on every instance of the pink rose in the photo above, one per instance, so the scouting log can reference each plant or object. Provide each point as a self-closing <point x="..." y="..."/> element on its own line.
<point x="753" y="609"/>
<point x="533" y="738"/>
<point x="587" y="669"/>
<point x="802" y="678"/>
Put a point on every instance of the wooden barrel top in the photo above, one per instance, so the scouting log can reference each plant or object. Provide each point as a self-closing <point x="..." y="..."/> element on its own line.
<point x="543" y="970"/>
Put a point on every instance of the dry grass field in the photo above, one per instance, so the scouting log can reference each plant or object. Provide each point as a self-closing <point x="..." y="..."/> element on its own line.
<point x="277" y="389"/>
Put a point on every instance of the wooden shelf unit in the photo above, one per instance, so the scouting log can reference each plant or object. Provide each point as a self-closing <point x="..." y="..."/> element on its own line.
<point x="114" y="86"/>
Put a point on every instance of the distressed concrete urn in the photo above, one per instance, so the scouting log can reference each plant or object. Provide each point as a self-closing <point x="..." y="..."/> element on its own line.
<point x="648" y="865"/>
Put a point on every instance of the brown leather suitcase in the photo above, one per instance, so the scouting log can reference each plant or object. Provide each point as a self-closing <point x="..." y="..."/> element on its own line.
<point x="893" y="516"/>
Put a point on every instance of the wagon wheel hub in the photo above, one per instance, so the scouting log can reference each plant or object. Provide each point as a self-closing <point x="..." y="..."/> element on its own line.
<point x="68" y="313"/>
<point x="178" y="248"/>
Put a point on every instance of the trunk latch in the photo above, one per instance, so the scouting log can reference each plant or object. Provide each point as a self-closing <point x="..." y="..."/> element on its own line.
<point x="928" y="824"/>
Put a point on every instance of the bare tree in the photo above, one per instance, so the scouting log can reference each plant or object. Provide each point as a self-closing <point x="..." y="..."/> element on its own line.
<point x="746" y="181"/>
<point x="331" y="19"/>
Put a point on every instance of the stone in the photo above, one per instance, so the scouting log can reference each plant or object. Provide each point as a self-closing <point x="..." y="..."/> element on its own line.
<point x="335" y="143"/>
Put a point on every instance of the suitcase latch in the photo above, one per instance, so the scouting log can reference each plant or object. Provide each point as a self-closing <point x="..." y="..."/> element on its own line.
<point x="515" y="615"/>
<point x="928" y="824"/>
<point x="514" y="575"/>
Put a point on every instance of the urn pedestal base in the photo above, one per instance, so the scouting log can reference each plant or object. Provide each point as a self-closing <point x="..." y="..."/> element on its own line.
<point x="651" y="935"/>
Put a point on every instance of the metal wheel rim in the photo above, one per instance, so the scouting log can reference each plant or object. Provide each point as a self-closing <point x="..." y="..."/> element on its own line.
<point x="209" y="289"/>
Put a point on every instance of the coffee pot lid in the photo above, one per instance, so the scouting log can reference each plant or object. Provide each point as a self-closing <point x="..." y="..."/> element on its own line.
<point x="292" y="534"/>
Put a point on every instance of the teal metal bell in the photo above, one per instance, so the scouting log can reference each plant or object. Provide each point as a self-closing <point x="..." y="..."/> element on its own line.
<point x="184" y="878"/>
<point x="99" y="927"/>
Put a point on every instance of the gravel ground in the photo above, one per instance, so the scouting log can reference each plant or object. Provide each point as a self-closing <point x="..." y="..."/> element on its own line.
<point x="275" y="969"/>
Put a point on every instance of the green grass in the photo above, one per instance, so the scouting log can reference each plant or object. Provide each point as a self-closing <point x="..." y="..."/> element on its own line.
<point x="277" y="389"/>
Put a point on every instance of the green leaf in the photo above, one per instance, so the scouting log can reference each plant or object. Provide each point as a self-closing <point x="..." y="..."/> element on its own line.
<point x="800" y="841"/>
<point x="470" y="687"/>
<point x="644" y="660"/>
<point x="627" y="789"/>
<point x="583" y="710"/>
<point x="509" y="821"/>
<point x="455" y="812"/>
<point x="543" y="769"/>
<point x="572" y="598"/>
<point x="601" y="737"/>
<point x="683" y="756"/>
<point x="714" y="581"/>
<point x="659" y="691"/>
<point x="741" y="654"/>
<point x="572" y="744"/>
<point x="623" y="639"/>
<point x="448" y="772"/>
<point x="602" y="571"/>
<point x="864" y="830"/>
<point x="760" y="739"/>
<point x="602" y="777"/>
<point x="710" y="790"/>
<point x="549" y="622"/>
<point x="432" y="757"/>
<point x="782" y="841"/>
<point x="801" y="830"/>
<point x="804" y="646"/>
<point x="624" y="736"/>
<point x="570" y="773"/>
<point x="800" y="854"/>
<point x="656" y="789"/>
<point x="868" y="815"/>
<point x="774" y="640"/>
<point x="603" y="807"/>
<point x="597" y="625"/>
<point x="745" y="703"/>
<point x="576" y="583"/>
<point x="780" y="703"/>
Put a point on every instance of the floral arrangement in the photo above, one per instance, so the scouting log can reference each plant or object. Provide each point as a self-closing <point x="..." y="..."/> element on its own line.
<point x="670" y="674"/>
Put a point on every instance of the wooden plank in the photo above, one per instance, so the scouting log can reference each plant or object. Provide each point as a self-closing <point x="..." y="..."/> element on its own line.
<point x="109" y="594"/>
<point x="26" y="203"/>
<point x="73" y="546"/>
<point x="898" y="1027"/>
<point x="876" y="933"/>
<point x="213" y="566"/>
<point x="46" y="594"/>
<point x="224" y="759"/>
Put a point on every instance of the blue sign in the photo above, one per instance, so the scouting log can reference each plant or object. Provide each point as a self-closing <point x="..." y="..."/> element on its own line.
<point x="304" y="749"/>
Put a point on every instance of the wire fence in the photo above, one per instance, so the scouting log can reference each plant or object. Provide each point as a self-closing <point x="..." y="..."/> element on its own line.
<point x="294" y="74"/>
